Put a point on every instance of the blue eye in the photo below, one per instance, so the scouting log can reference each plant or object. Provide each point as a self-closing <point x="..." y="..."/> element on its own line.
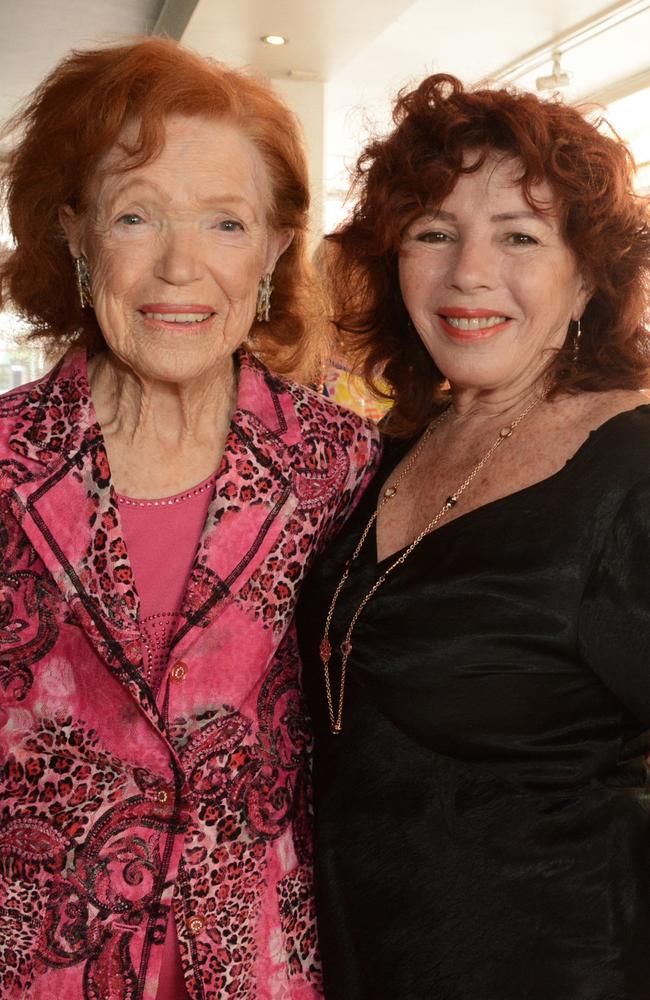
<point x="130" y="219"/>
<point x="230" y="226"/>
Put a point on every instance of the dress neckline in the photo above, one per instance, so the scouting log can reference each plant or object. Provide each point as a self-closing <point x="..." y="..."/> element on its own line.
<point x="578" y="454"/>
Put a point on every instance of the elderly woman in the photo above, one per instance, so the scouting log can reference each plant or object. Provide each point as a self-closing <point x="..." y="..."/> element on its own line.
<point x="479" y="636"/>
<point x="161" y="494"/>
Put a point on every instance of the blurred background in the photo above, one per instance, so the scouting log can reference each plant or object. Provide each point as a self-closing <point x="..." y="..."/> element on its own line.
<point x="339" y="64"/>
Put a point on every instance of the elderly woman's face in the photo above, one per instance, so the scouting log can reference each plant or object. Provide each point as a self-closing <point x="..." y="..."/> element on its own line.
<point x="177" y="247"/>
<point x="489" y="284"/>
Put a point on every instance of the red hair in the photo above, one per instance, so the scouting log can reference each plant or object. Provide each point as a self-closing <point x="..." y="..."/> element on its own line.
<point x="398" y="177"/>
<point x="71" y="121"/>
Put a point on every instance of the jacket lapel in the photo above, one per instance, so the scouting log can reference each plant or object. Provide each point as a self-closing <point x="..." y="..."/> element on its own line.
<point x="254" y="498"/>
<point x="60" y="492"/>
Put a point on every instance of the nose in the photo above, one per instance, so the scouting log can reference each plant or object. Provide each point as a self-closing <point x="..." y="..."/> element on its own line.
<point x="179" y="260"/>
<point x="473" y="266"/>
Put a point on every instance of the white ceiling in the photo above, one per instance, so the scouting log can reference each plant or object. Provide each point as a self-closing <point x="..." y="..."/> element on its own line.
<point x="358" y="52"/>
<point x="366" y="48"/>
<point x="323" y="35"/>
<point x="36" y="34"/>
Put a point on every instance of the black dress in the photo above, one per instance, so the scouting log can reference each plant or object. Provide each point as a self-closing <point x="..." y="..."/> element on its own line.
<point x="483" y="822"/>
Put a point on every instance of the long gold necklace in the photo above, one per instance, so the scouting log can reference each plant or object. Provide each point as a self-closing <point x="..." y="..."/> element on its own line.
<point x="345" y="649"/>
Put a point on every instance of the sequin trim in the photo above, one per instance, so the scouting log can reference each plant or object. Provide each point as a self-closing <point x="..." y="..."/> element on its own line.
<point x="203" y="487"/>
<point x="157" y="631"/>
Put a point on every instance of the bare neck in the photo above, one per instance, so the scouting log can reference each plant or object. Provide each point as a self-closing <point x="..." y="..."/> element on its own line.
<point x="161" y="437"/>
<point x="478" y="406"/>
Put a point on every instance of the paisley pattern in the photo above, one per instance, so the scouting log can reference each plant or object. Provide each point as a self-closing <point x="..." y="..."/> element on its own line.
<point x="28" y="612"/>
<point x="115" y="808"/>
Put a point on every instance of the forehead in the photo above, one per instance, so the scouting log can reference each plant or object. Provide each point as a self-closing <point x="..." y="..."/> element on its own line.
<point x="498" y="181"/>
<point x="198" y="155"/>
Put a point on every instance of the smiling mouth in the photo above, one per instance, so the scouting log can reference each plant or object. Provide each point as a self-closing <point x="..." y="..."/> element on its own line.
<point x="469" y="323"/>
<point x="180" y="318"/>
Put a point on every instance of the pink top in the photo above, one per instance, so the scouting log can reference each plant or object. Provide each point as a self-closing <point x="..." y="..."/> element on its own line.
<point x="161" y="538"/>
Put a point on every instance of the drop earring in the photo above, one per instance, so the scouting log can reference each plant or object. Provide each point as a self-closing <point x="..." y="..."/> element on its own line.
<point x="265" y="288"/>
<point x="84" y="288"/>
<point x="576" y="342"/>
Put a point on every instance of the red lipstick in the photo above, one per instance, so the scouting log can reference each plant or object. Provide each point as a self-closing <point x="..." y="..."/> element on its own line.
<point x="174" y="307"/>
<point x="474" y="324"/>
<point x="176" y="316"/>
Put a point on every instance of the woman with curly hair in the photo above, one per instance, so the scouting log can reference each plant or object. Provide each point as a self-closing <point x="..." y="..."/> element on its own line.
<point x="162" y="492"/>
<point x="478" y="638"/>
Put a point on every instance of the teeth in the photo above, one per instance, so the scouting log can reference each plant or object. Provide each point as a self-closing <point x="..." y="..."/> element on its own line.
<point x="475" y="322"/>
<point x="179" y="317"/>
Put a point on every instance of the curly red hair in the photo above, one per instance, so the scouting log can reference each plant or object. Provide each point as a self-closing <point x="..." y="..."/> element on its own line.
<point x="604" y="223"/>
<point x="77" y="114"/>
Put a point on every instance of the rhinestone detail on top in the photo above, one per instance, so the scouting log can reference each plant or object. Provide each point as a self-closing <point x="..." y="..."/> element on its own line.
<point x="203" y="487"/>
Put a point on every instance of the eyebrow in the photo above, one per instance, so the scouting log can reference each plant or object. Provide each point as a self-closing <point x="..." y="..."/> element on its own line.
<point x="500" y="217"/>
<point x="139" y="182"/>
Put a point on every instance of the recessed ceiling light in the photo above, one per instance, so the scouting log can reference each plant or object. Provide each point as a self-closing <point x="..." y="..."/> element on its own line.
<point x="274" y="39"/>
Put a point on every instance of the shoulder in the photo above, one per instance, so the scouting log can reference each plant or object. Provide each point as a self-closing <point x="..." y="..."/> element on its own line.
<point x="620" y="420"/>
<point x="323" y="417"/>
<point x="315" y="414"/>
<point x="612" y="425"/>
<point x="338" y="439"/>
<point x="613" y="464"/>
<point x="17" y="405"/>
<point x="602" y="406"/>
<point x="46" y="417"/>
<point x="65" y="383"/>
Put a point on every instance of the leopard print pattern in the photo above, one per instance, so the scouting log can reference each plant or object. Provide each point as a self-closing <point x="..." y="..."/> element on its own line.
<point x="298" y="920"/>
<point x="49" y="417"/>
<point x="322" y="471"/>
<point x="247" y="791"/>
<point x="80" y="821"/>
<point x="105" y="572"/>
<point x="21" y="916"/>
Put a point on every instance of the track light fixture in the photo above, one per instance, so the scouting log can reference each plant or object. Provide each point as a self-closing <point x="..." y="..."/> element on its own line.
<point x="558" y="78"/>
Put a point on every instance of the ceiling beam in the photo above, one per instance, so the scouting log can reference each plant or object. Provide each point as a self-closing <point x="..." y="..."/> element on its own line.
<point x="174" y="18"/>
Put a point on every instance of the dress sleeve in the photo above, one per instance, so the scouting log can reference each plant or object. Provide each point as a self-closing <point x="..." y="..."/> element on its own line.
<point x="614" y="621"/>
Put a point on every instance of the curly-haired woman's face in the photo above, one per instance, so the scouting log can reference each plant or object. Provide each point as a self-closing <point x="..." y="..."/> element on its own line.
<point x="490" y="285"/>
<point x="176" y="249"/>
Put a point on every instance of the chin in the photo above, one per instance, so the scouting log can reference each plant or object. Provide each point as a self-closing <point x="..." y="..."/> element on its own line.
<point x="477" y="376"/>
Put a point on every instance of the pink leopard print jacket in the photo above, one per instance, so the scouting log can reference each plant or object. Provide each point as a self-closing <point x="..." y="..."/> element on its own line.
<point x="113" y="810"/>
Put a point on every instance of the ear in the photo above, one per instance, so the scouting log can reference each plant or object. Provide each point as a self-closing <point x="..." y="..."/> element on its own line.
<point x="279" y="240"/>
<point x="72" y="226"/>
<point x="584" y="292"/>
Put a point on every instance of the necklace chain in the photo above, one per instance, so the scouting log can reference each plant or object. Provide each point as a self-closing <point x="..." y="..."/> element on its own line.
<point x="345" y="648"/>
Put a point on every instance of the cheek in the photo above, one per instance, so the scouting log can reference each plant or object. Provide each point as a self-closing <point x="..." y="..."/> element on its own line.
<point x="408" y="281"/>
<point x="419" y="280"/>
<point x="238" y="273"/>
<point x="116" y="270"/>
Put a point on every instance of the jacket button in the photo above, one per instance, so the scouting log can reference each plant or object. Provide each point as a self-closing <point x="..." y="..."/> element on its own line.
<point x="162" y="796"/>
<point x="195" y="925"/>
<point x="178" y="671"/>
